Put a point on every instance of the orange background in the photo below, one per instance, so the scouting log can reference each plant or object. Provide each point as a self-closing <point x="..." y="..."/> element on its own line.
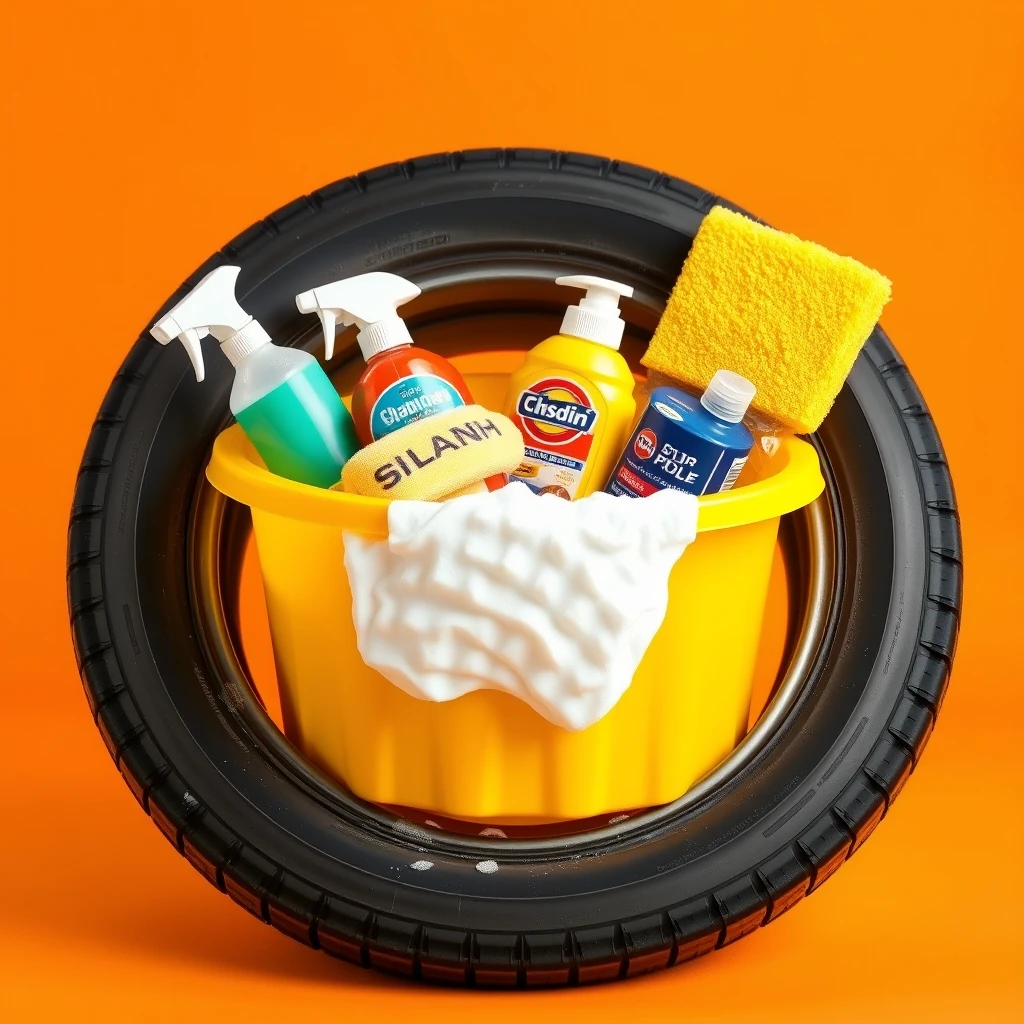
<point x="137" y="142"/>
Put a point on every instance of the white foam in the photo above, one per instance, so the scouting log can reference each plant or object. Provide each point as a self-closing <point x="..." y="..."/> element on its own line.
<point x="550" y="600"/>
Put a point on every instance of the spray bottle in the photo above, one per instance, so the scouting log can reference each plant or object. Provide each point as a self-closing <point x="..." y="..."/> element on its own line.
<point x="282" y="398"/>
<point x="572" y="399"/>
<point x="402" y="382"/>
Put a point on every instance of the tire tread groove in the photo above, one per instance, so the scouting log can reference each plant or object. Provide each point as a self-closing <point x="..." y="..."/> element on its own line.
<point x="114" y="706"/>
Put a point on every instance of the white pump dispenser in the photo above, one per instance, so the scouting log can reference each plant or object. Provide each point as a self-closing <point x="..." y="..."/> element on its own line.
<point x="211" y="308"/>
<point x="369" y="300"/>
<point x="596" y="318"/>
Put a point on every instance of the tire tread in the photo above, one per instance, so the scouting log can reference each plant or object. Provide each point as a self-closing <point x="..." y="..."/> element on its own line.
<point x="357" y="934"/>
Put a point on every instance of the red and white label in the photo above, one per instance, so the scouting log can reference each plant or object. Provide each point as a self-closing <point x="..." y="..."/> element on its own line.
<point x="632" y="482"/>
<point x="645" y="444"/>
<point x="556" y="417"/>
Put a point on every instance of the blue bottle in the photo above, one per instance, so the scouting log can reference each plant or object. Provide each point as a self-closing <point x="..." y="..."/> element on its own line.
<point x="282" y="398"/>
<point x="699" y="446"/>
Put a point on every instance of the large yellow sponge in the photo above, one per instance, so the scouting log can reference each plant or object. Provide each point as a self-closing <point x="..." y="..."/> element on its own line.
<point x="788" y="315"/>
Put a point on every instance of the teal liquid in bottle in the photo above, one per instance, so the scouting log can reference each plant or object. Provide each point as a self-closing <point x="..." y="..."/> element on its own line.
<point x="301" y="429"/>
<point x="280" y="396"/>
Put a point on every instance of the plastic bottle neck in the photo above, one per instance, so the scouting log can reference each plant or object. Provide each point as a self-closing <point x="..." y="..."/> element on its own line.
<point x="383" y="335"/>
<point x="242" y="343"/>
<point x="728" y="396"/>
<point x="600" y="328"/>
<point x="376" y="357"/>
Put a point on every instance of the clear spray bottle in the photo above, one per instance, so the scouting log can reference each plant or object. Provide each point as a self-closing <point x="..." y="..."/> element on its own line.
<point x="282" y="398"/>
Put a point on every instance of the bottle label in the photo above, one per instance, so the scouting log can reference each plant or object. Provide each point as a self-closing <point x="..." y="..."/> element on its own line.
<point x="662" y="453"/>
<point x="412" y="398"/>
<point x="556" y="417"/>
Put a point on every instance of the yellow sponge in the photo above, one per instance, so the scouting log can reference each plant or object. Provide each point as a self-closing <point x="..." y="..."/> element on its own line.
<point x="788" y="315"/>
<point x="437" y="457"/>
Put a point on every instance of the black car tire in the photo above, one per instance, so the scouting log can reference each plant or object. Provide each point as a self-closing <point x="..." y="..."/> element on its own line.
<point x="336" y="875"/>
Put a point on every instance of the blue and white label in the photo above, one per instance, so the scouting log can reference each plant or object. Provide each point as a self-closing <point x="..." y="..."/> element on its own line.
<point x="412" y="398"/>
<point x="651" y="463"/>
<point x="666" y="451"/>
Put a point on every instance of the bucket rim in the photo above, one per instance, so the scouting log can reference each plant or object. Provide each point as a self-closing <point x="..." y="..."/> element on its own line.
<point x="237" y="472"/>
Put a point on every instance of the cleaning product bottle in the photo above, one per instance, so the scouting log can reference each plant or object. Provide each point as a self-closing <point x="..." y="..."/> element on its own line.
<point x="573" y="397"/>
<point x="695" y="445"/>
<point x="402" y="383"/>
<point x="282" y="398"/>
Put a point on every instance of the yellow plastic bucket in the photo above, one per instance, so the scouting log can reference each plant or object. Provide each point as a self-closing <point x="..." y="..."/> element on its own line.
<point x="487" y="755"/>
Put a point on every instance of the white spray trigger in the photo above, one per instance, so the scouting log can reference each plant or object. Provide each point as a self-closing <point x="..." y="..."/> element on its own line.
<point x="329" y="318"/>
<point x="368" y="300"/>
<point x="191" y="338"/>
<point x="329" y="322"/>
<point x="211" y="308"/>
<point x="596" y="317"/>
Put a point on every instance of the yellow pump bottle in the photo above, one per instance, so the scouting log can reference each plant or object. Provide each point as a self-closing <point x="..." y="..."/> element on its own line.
<point x="572" y="399"/>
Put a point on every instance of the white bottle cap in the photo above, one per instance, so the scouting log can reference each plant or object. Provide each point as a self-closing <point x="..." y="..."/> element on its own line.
<point x="211" y="308"/>
<point x="369" y="300"/>
<point x="728" y="396"/>
<point x="596" y="318"/>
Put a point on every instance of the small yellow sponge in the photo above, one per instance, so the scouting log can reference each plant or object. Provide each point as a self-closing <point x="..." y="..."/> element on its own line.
<point x="788" y="315"/>
<point x="437" y="457"/>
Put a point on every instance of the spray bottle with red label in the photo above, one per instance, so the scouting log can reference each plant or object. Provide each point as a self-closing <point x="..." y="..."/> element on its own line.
<point x="572" y="399"/>
<point x="402" y="383"/>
